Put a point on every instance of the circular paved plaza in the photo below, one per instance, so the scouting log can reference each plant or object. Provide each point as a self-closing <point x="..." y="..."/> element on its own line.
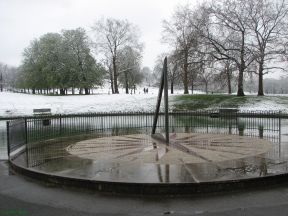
<point x="189" y="157"/>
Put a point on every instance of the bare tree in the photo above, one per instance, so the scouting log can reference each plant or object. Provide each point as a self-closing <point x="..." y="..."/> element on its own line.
<point x="182" y="37"/>
<point x="112" y="35"/>
<point x="228" y="34"/>
<point x="206" y="73"/>
<point x="148" y="76"/>
<point x="268" y="22"/>
<point x="173" y="68"/>
<point x="194" y="70"/>
<point x="157" y="69"/>
<point x="129" y="67"/>
<point x="109" y="71"/>
<point x="9" y="77"/>
<point x="173" y="71"/>
<point x="226" y="75"/>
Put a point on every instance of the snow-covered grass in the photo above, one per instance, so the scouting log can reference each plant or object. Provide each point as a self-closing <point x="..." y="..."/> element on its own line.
<point x="266" y="103"/>
<point x="247" y="103"/>
<point x="17" y="104"/>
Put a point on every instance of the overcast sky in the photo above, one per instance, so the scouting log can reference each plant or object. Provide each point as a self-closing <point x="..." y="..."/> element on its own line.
<point x="23" y="20"/>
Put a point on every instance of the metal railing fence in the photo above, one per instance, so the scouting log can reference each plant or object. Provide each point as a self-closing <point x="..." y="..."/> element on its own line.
<point x="54" y="132"/>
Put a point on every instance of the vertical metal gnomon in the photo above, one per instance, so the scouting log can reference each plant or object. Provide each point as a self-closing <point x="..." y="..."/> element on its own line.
<point x="163" y="86"/>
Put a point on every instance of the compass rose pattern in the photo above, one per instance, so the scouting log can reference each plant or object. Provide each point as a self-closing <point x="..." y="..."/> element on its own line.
<point x="185" y="148"/>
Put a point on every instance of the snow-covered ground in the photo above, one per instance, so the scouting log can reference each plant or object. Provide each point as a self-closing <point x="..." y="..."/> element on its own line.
<point x="265" y="105"/>
<point x="17" y="104"/>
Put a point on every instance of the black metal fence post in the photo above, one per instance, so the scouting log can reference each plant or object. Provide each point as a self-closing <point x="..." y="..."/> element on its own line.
<point x="26" y="142"/>
<point x="8" y="139"/>
<point x="279" y="126"/>
<point x="26" y="131"/>
<point x="102" y="128"/>
<point x="60" y="124"/>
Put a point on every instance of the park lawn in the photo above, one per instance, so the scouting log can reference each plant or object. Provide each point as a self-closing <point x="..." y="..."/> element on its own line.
<point x="216" y="101"/>
<point x="17" y="104"/>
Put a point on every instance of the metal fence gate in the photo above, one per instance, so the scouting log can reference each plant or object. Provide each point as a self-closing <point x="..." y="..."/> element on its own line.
<point x="16" y="136"/>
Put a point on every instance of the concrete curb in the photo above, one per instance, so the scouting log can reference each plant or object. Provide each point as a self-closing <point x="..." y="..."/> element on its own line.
<point x="154" y="188"/>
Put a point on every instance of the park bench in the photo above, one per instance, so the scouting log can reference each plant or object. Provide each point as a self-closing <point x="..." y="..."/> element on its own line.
<point x="225" y="112"/>
<point x="43" y="113"/>
<point x="228" y="112"/>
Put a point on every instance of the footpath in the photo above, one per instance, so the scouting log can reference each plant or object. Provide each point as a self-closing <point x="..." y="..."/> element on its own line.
<point x="21" y="196"/>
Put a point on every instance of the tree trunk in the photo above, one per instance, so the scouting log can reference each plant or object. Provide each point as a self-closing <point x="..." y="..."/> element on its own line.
<point x="115" y="76"/>
<point x="240" y="91"/>
<point x="229" y="84"/>
<point x="241" y="67"/>
<point x="126" y="83"/>
<point x="192" y="86"/>
<point x="228" y="80"/>
<point x="260" y="77"/>
<point x="172" y="87"/>
<point x="185" y="75"/>
<point x="73" y="90"/>
<point x="206" y="87"/>
<point x="33" y="90"/>
<point x="111" y="80"/>
<point x="62" y="91"/>
<point x="86" y="91"/>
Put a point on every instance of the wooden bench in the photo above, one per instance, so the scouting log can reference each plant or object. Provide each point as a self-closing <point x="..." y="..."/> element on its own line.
<point x="228" y="112"/>
<point x="225" y="112"/>
<point x="43" y="112"/>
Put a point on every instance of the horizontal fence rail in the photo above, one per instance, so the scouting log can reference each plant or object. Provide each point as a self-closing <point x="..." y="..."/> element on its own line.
<point x="45" y="127"/>
<point x="256" y="113"/>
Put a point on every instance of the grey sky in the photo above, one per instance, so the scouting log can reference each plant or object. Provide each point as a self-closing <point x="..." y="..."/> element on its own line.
<point x="23" y="20"/>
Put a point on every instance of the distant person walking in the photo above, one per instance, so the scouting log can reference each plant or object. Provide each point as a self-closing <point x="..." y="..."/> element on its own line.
<point x="145" y="90"/>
